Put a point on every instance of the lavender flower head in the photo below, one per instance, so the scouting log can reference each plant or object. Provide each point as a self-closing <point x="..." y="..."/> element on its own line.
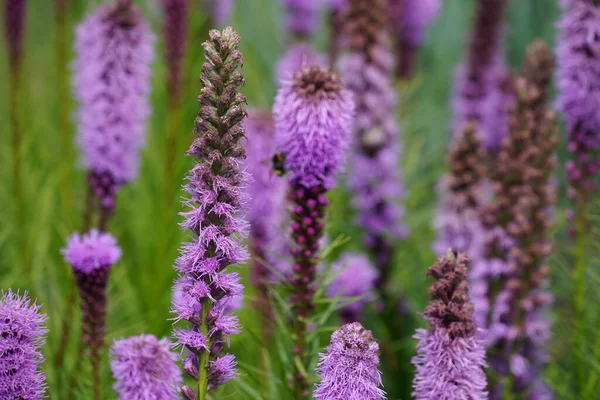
<point x="578" y="56"/>
<point x="416" y="15"/>
<point x="113" y="49"/>
<point x="354" y="277"/>
<point x="301" y="17"/>
<point x="313" y="118"/>
<point x="297" y="56"/>
<point x="216" y="203"/>
<point x="14" y="22"/>
<point x="22" y="331"/>
<point x="349" y="368"/>
<point x="145" y="369"/>
<point x="89" y="252"/>
<point x="450" y="360"/>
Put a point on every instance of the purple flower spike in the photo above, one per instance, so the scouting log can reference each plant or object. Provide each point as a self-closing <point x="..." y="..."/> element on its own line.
<point x="175" y="31"/>
<point x="219" y="10"/>
<point x="296" y="57"/>
<point x="91" y="257"/>
<point x="313" y="117"/>
<point x="450" y="359"/>
<point x="578" y="56"/>
<point x="14" y="22"/>
<point x="145" y="369"/>
<point x="411" y="19"/>
<point x="349" y="368"/>
<point x="217" y="198"/>
<point x="113" y="49"/>
<point x="354" y="277"/>
<point x="301" y="17"/>
<point x="22" y="336"/>
<point x="479" y="94"/>
<point x="373" y="176"/>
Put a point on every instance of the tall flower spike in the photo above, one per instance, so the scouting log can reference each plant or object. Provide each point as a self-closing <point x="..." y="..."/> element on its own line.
<point x="175" y="31"/>
<point x="349" y="368"/>
<point x="578" y="56"/>
<point x="479" y="93"/>
<point x="461" y="193"/>
<point x="267" y="212"/>
<point x="354" y="276"/>
<point x="411" y="19"/>
<point x="14" y="23"/>
<point x="520" y="211"/>
<point x="145" y="369"/>
<point x="313" y="117"/>
<point x="301" y="18"/>
<point x="92" y="256"/>
<point x="373" y="175"/>
<point x="113" y="48"/>
<point x="216" y="200"/>
<point x="450" y="359"/>
<point x="22" y="336"/>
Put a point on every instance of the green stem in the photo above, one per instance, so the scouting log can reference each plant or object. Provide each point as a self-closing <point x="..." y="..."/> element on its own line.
<point x="204" y="357"/>
<point x="579" y="291"/>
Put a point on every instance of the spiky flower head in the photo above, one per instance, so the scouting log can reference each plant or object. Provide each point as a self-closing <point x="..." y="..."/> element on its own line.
<point x="578" y="57"/>
<point x="113" y="48"/>
<point x="297" y="56"/>
<point x="175" y="31"/>
<point x="301" y="17"/>
<point x="450" y="360"/>
<point x="14" y="22"/>
<point x="91" y="251"/>
<point x="144" y="368"/>
<point x="22" y="331"/>
<point x="313" y="117"/>
<point x="216" y="203"/>
<point x="354" y="277"/>
<point x="349" y="368"/>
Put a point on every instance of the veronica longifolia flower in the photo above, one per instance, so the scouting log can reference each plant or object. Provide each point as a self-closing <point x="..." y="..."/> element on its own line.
<point x="349" y="368"/>
<point x="450" y="359"/>
<point x="113" y="48"/>
<point x="144" y="369"/>
<point x="22" y="331"/>
<point x="214" y="219"/>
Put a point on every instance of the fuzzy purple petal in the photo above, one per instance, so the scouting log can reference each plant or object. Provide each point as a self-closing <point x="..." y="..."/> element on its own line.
<point x="91" y="251"/>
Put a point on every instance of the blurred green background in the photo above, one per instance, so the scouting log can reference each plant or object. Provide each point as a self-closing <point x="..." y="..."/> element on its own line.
<point x="146" y="222"/>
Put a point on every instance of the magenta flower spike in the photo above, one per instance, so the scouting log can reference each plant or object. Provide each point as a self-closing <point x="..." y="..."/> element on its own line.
<point x="175" y="31"/>
<point x="14" y="24"/>
<point x="22" y="336"/>
<point x="450" y="359"/>
<point x="354" y="276"/>
<point x="217" y="198"/>
<point x="373" y="172"/>
<point x="92" y="255"/>
<point x="313" y="116"/>
<point x="410" y="19"/>
<point x="578" y="66"/>
<point x="144" y="368"/>
<point x="349" y="368"/>
<point x="301" y="17"/>
<point x="479" y="94"/>
<point x="113" y="52"/>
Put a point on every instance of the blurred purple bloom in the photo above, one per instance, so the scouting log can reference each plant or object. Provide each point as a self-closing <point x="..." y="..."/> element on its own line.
<point x="313" y="117"/>
<point x="175" y="31"/>
<point x="450" y="359"/>
<point x="354" y="277"/>
<point x="301" y="17"/>
<point x="216" y="202"/>
<point x="297" y="56"/>
<point x="14" y="23"/>
<point x="113" y="49"/>
<point x="578" y="56"/>
<point x="91" y="251"/>
<point x="349" y="368"/>
<point x="145" y="369"/>
<point x="220" y="10"/>
<point x="22" y="336"/>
